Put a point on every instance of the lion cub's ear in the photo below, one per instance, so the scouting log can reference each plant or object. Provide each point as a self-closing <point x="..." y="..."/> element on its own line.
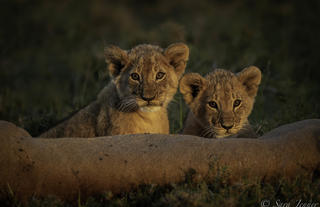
<point x="116" y="59"/>
<point x="250" y="77"/>
<point x="191" y="85"/>
<point x="177" y="55"/>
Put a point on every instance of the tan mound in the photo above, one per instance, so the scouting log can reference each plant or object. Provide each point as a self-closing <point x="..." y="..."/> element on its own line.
<point x="66" y="166"/>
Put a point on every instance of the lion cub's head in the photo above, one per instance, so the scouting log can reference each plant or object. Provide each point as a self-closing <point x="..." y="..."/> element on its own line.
<point x="221" y="101"/>
<point x="146" y="77"/>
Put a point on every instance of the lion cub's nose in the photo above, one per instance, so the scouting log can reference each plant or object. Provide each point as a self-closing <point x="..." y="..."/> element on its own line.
<point x="227" y="126"/>
<point x="147" y="98"/>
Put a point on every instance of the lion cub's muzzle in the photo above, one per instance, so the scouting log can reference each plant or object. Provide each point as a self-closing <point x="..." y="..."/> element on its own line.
<point x="148" y="95"/>
<point x="227" y="125"/>
<point x="147" y="98"/>
<point x="227" y="121"/>
<point x="149" y="103"/>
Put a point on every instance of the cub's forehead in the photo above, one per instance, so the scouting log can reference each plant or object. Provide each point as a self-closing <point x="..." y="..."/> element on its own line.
<point x="147" y="56"/>
<point x="222" y="82"/>
<point x="145" y="49"/>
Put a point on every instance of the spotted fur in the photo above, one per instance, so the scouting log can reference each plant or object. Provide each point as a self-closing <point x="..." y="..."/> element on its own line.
<point x="144" y="80"/>
<point x="220" y="102"/>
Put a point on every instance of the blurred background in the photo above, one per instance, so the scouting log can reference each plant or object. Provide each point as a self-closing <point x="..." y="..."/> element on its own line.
<point x="52" y="63"/>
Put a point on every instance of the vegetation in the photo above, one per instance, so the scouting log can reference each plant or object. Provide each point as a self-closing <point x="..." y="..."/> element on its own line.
<point x="189" y="193"/>
<point x="52" y="64"/>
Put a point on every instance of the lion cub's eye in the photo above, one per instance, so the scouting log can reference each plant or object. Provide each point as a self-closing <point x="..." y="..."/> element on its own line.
<point x="236" y="103"/>
<point x="135" y="76"/>
<point x="160" y="75"/>
<point x="213" y="104"/>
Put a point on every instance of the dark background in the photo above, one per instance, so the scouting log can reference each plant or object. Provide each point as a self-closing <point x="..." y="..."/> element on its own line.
<point x="52" y="64"/>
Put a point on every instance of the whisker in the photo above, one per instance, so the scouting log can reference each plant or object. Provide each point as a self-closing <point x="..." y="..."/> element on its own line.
<point x="132" y="106"/>
<point x="204" y="130"/>
<point x="208" y="132"/>
<point x="120" y="106"/>
<point x="123" y="107"/>
<point x="212" y="134"/>
<point x="127" y="104"/>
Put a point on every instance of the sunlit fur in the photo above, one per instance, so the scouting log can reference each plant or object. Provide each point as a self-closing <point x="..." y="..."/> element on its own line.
<point x="223" y="87"/>
<point x="146" y="61"/>
<point x="129" y="105"/>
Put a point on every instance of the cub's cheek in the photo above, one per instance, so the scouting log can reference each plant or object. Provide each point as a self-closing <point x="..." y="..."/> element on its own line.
<point x="245" y="111"/>
<point x="164" y="98"/>
<point x="208" y="119"/>
<point x="233" y="131"/>
<point x="140" y="102"/>
<point x="212" y="116"/>
<point x="134" y="90"/>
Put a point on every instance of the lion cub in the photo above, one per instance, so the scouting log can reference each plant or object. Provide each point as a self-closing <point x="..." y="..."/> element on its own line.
<point x="144" y="80"/>
<point x="220" y="103"/>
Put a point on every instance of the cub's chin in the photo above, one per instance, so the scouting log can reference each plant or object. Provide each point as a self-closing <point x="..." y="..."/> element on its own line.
<point x="218" y="132"/>
<point x="150" y="108"/>
<point x="227" y="133"/>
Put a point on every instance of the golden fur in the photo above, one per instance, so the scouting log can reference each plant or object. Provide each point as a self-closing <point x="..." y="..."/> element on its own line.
<point x="220" y="102"/>
<point x="144" y="80"/>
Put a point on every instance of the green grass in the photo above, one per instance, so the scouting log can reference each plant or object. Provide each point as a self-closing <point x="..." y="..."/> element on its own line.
<point x="214" y="192"/>
<point x="52" y="64"/>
